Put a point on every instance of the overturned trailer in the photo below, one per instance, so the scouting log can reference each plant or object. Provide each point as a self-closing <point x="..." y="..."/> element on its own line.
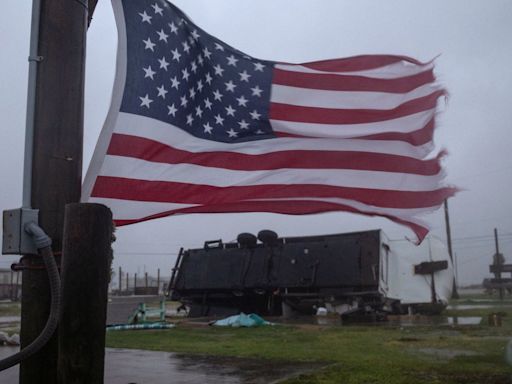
<point x="345" y="273"/>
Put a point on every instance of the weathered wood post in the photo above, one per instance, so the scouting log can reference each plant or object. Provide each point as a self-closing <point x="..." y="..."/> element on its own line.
<point x="16" y="286"/>
<point x="120" y="279"/>
<point x="158" y="281"/>
<point x="85" y="278"/>
<point x="11" y="291"/>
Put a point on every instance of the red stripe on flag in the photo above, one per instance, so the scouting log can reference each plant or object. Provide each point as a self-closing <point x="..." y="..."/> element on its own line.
<point x="295" y="207"/>
<point x="150" y="150"/>
<point x="358" y="63"/>
<point x="330" y="82"/>
<point x="416" y="138"/>
<point x="183" y="193"/>
<point x="295" y="113"/>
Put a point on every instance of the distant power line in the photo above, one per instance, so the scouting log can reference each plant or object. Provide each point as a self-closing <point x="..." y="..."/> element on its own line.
<point x="501" y="236"/>
<point x="483" y="237"/>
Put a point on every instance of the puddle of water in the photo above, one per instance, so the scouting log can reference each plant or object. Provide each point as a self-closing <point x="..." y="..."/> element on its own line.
<point x="9" y="375"/>
<point x="463" y="307"/>
<point x="508" y="353"/>
<point x="446" y="353"/>
<point x="464" y="320"/>
<point x="124" y="366"/>
<point x="434" y="320"/>
<point x="392" y="320"/>
<point x="308" y="320"/>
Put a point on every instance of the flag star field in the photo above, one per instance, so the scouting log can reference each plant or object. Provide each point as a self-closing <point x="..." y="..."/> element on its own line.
<point x="185" y="77"/>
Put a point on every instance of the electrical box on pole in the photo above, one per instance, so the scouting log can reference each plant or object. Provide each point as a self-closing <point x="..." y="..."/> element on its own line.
<point x="15" y="241"/>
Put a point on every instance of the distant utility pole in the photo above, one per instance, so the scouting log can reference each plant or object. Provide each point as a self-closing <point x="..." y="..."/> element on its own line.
<point x="455" y="294"/>
<point x="498" y="264"/>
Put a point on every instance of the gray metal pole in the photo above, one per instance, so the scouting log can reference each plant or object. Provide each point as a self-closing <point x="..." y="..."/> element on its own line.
<point x="33" y="59"/>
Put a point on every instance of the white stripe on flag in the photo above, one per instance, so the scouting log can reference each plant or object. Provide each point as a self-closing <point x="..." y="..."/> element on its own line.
<point x="346" y="99"/>
<point x="407" y="124"/>
<point x="392" y="71"/>
<point x="131" y="168"/>
<point x="175" y="137"/>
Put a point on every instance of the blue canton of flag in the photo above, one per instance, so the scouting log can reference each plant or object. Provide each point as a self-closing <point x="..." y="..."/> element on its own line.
<point x="179" y="74"/>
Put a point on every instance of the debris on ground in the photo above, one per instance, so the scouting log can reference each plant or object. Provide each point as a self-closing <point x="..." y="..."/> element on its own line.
<point x="13" y="340"/>
<point x="143" y="326"/>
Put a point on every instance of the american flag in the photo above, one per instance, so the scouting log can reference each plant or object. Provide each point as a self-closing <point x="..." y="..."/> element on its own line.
<point x="196" y="126"/>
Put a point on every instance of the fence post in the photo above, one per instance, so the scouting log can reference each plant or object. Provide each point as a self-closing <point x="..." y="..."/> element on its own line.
<point x="158" y="281"/>
<point x="120" y="280"/>
<point x="85" y="279"/>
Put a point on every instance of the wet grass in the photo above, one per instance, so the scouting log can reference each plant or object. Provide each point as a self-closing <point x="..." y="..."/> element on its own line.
<point x="354" y="354"/>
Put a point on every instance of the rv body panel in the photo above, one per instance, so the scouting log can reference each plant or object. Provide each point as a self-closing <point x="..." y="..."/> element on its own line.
<point x="405" y="285"/>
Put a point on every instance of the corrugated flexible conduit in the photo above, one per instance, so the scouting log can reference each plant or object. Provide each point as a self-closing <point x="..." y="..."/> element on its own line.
<point x="43" y="244"/>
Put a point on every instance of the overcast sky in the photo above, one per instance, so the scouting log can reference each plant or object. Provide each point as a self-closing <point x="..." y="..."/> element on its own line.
<point x="472" y="37"/>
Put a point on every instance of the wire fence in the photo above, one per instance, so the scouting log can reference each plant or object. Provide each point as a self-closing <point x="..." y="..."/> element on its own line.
<point x="125" y="283"/>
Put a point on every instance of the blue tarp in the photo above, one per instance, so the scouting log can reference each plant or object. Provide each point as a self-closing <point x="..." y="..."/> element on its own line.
<point x="242" y="320"/>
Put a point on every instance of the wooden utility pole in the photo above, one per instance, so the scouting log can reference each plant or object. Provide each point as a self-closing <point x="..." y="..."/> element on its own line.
<point x="56" y="160"/>
<point x="85" y="280"/>
<point x="498" y="263"/>
<point x="455" y="294"/>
